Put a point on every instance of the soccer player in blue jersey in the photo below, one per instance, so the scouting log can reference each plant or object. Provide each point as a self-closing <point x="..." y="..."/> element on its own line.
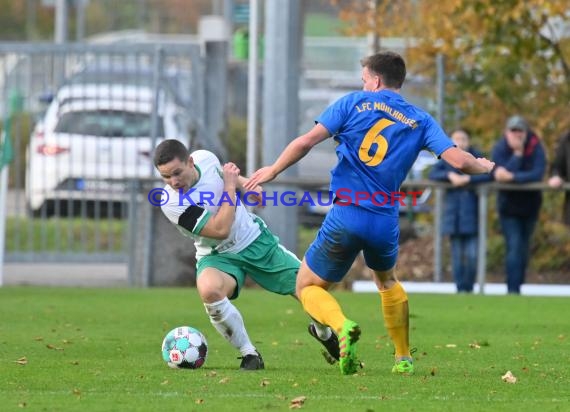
<point x="379" y="136"/>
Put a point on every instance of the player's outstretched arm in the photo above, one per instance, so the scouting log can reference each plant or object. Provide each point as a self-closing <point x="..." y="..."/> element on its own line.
<point x="294" y="152"/>
<point x="466" y="162"/>
<point x="254" y="194"/>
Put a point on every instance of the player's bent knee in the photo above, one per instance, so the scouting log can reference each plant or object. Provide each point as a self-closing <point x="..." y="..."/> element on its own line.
<point x="214" y="286"/>
<point x="298" y="291"/>
<point x="209" y="295"/>
<point x="384" y="276"/>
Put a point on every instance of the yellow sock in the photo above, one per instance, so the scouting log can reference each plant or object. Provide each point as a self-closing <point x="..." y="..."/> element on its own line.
<point x="396" y="318"/>
<point x="322" y="307"/>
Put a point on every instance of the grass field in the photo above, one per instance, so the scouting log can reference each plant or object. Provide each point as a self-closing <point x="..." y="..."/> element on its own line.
<point x="99" y="350"/>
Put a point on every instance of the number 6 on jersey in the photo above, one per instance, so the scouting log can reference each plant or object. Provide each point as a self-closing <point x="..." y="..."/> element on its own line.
<point x="374" y="136"/>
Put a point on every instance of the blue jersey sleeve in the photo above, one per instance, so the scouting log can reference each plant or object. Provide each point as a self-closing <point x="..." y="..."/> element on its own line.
<point x="435" y="139"/>
<point x="334" y="116"/>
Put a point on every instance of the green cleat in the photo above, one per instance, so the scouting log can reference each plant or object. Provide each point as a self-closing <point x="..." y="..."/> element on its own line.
<point x="403" y="367"/>
<point x="347" y="339"/>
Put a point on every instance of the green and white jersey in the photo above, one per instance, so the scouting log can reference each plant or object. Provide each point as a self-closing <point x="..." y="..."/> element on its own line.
<point x="190" y="211"/>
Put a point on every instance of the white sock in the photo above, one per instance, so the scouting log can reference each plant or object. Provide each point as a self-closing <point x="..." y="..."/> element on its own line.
<point x="323" y="331"/>
<point x="227" y="320"/>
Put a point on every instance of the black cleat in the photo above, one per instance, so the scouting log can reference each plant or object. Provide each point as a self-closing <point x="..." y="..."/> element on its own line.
<point x="332" y="353"/>
<point x="251" y="362"/>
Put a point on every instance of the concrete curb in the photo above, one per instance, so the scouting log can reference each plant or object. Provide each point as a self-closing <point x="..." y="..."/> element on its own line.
<point x="449" y="288"/>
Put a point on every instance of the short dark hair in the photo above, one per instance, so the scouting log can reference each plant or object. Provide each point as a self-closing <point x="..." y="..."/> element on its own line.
<point x="168" y="150"/>
<point x="389" y="65"/>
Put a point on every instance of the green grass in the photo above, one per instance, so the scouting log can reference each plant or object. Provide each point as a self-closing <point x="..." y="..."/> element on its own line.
<point x="99" y="350"/>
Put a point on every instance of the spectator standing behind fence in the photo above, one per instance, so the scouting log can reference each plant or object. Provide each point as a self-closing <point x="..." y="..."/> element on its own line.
<point x="460" y="218"/>
<point x="520" y="158"/>
<point x="560" y="172"/>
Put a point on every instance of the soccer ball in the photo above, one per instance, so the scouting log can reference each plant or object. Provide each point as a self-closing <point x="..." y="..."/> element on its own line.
<point x="184" y="347"/>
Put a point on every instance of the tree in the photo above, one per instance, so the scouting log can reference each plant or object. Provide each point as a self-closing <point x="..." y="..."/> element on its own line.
<point x="502" y="57"/>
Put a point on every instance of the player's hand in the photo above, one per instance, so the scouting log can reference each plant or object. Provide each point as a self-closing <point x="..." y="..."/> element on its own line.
<point x="231" y="173"/>
<point x="263" y="175"/>
<point x="486" y="163"/>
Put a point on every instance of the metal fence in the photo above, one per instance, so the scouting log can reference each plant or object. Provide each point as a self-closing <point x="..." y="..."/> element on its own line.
<point x="83" y="121"/>
<point x="436" y="191"/>
<point x="91" y="212"/>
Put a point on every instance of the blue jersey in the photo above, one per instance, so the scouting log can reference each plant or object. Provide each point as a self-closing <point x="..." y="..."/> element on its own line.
<point x="379" y="136"/>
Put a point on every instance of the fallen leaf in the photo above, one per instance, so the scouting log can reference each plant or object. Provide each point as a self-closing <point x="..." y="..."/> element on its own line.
<point x="212" y="373"/>
<point x="451" y="345"/>
<point x="224" y="380"/>
<point x="297" y="402"/>
<point x="38" y="338"/>
<point x="264" y="382"/>
<point x="22" y="361"/>
<point x="509" y="377"/>
<point x="164" y="382"/>
<point x="76" y="392"/>
<point x="22" y="405"/>
<point x="433" y="371"/>
<point x="199" y="401"/>
<point x="474" y="346"/>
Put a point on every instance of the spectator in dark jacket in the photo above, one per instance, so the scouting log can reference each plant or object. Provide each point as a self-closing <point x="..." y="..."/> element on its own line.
<point x="560" y="172"/>
<point x="520" y="158"/>
<point x="460" y="218"/>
